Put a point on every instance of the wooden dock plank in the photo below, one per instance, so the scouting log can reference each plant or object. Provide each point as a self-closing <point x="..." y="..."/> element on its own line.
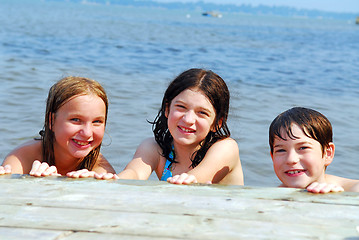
<point x="87" y="208"/>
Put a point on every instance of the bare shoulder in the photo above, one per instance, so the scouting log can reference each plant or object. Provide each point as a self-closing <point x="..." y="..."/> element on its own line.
<point x="226" y="148"/>
<point x="144" y="161"/>
<point x="226" y="144"/>
<point x="22" y="157"/>
<point x="103" y="165"/>
<point x="224" y="156"/>
<point x="350" y="185"/>
<point x="149" y="147"/>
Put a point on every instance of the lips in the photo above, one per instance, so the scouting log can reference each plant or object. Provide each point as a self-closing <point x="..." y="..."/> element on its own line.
<point x="186" y="130"/>
<point x="81" y="143"/>
<point x="295" y="172"/>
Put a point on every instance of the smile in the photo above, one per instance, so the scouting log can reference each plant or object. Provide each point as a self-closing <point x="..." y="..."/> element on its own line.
<point x="81" y="143"/>
<point x="295" y="172"/>
<point x="187" y="130"/>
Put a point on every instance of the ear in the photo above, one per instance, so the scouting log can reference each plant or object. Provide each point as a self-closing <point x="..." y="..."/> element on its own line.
<point x="167" y="110"/>
<point x="220" y="122"/>
<point x="329" y="154"/>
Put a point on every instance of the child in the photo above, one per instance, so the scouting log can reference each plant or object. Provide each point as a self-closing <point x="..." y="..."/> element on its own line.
<point x="75" y="119"/>
<point x="301" y="148"/>
<point x="191" y="139"/>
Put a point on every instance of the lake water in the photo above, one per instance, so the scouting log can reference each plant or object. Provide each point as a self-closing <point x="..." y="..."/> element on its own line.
<point x="269" y="63"/>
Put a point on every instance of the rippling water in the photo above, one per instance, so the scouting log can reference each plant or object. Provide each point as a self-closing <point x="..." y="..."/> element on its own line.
<point x="270" y="64"/>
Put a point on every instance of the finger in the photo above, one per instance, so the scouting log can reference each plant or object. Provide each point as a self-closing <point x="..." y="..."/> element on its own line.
<point x="69" y="174"/>
<point x="91" y="174"/>
<point x="98" y="175"/>
<point x="2" y="170"/>
<point x="76" y="174"/>
<point x="182" y="178"/>
<point x="339" y="189"/>
<point x="190" y="179"/>
<point x="55" y="174"/>
<point x="49" y="171"/>
<point x="333" y="188"/>
<point x="7" y="169"/>
<point x="107" y="176"/>
<point x="42" y="168"/>
<point x="314" y="187"/>
<point x="174" y="178"/>
<point x="35" y="165"/>
<point x="87" y="174"/>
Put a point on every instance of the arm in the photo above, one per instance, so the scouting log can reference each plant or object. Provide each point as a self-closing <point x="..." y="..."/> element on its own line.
<point x="220" y="165"/>
<point x="355" y="187"/>
<point x="20" y="160"/>
<point x="334" y="184"/>
<point x="102" y="168"/>
<point x="144" y="161"/>
<point x="316" y="187"/>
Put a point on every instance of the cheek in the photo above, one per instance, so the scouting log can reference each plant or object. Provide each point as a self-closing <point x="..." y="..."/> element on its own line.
<point x="99" y="132"/>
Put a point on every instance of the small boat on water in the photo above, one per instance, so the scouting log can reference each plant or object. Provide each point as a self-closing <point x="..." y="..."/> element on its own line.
<point x="212" y="14"/>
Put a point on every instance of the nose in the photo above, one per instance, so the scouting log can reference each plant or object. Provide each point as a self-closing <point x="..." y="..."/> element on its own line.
<point x="189" y="117"/>
<point x="292" y="158"/>
<point x="86" y="129"/>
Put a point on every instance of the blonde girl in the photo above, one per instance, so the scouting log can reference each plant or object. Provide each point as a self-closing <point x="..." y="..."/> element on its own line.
<point x="75" y="120"/>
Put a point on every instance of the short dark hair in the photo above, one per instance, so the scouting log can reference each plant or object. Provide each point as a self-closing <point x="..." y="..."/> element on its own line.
<point x="313" y="124"/>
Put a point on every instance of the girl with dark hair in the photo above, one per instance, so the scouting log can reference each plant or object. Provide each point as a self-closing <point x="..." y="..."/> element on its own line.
<point x="75" y="120"/>
<point x="191" y="139"/>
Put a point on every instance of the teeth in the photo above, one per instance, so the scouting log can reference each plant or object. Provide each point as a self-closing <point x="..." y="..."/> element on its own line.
<point x="294" y="172"/>
<point x="80" y="143"/>
<point x="186" y="130"/>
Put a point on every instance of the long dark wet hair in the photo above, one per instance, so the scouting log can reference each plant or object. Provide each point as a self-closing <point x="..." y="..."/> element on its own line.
<point x="216" y="91"/>
<point x="59" y="94"/>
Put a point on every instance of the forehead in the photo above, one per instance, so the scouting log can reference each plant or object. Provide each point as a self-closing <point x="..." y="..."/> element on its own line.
<point x="293" y="133"/>
<point x="194" y="97"/>
<point x="192" y="93"/>
<point x="84" y="103"/>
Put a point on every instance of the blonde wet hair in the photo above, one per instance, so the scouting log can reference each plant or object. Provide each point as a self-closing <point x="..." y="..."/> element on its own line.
<point x="60" y="93"/>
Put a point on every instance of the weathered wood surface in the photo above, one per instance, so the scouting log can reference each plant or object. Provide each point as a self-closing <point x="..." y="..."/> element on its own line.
<point x="62" y="208"/>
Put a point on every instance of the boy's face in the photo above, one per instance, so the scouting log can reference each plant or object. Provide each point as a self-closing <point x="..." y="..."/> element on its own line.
<point x="300" y="162"/>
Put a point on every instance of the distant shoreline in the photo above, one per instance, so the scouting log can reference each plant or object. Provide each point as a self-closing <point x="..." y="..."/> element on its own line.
<point x="233" y="8"/>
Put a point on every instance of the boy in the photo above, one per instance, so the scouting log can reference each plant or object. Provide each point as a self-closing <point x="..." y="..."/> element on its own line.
<point x="301" y="146"/>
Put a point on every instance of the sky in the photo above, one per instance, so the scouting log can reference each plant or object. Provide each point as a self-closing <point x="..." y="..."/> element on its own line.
<point x="349" y="6"/>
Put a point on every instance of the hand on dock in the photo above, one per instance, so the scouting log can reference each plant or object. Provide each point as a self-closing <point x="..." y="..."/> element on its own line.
<point x="40" y="169"/>
<point x="183" y="178"/>
<point x="83" y="173"/>
<point x="5" y="169"/>
<point x="316" y="187"/>
<point x="106" y="176"/>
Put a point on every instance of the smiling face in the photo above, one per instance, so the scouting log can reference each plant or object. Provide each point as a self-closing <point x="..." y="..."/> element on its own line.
<point x="190" y="117"/>
<point x="79" y="126"/>
<point x="299" y="162"/>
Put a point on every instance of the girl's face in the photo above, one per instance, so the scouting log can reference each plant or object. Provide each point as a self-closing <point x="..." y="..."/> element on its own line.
<point x="79" y="126"/>
<point x="300" y="162"/>
<point x="190" y="117"/>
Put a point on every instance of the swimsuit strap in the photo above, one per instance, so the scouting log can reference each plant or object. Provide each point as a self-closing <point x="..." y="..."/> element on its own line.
<point x="167" y="171"/>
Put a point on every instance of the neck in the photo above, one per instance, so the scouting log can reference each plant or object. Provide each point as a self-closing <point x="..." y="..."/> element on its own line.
<point x="184" y="153"/>
<point x="65" y="163"/>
